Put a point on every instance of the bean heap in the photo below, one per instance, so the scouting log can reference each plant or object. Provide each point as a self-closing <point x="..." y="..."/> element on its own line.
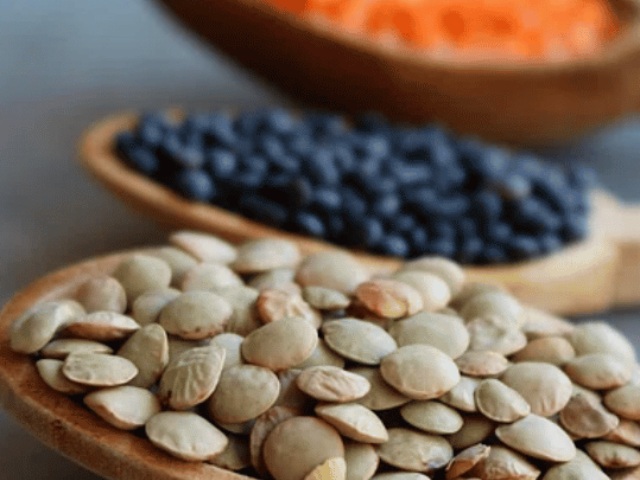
<point x="259" y="361"/>
<point x="385" y="188"/>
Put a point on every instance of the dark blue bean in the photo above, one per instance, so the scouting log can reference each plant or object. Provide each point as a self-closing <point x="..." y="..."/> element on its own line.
<point x="254" y="164"/>
<point x="222" y="163"/>
<point x="190" y="156"/>
<point x="143" y="160"/>
<point x="492" y="254"/>
<point x="150" y="134"/>
<point x="125" y="142"/>
<point x="335" y="226"/>
<point x="344" y="158"/>
<point x="373" y="232"/>
<point x="410" y="174"/>
<point x="219" y="131"/>
<point x="321" y="169"/>
<point x="196" y="184"/>
<point x="280" y="122"/>
<point x="549" y="242"/>
<point x="371" y="122"/>
<point x="575" y="228"/>
<point x="300" y="145"/>
<point x="419" y="240"/>
<point x="387" y="206"/>
<point x="270" y="146"/>
<point x="353" y="205"/>
<point x="444" y="247"/>
<point x="470" y="250"/>
<point x="582" y="176"/>
<point x="497" y="232"/>
<point x="310" y="224"/>
<point x="514" y="186"/>
<point x="324" y="124"/>
<point x="263" y="210"/>
<point x="395" y="245"/>
<point x="301" y="192"/>
<point x="487" y="205"/>
<point x="327" y="199"/>
<point x="373" y="186"/>
<point x="521" y="247"/>
<point x="403" y="222"/>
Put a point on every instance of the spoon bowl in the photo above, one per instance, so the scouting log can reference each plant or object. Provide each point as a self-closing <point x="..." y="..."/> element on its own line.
<point x="598" y="273"/>
<point x="529" y="104"/>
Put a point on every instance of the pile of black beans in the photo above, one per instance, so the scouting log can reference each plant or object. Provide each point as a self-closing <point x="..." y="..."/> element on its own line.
<point x="368" y="183"/>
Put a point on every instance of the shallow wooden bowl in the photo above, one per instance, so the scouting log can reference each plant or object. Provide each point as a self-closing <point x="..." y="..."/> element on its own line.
<point x="526" y="104"/>
<point x="599" y="273"/>
<point x="67" y="426"/>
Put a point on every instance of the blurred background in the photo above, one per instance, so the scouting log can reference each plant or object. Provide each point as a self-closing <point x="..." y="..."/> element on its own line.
<point x="68" y="63"/>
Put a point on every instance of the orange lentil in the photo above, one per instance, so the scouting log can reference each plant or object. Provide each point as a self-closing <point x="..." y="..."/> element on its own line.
<point x="509" y="29"/>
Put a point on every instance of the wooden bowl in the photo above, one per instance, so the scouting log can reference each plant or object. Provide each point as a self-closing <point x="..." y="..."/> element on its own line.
<point x="526" y="104"/>
<point x="68" y="427"/>
<point x="599" y="273"/>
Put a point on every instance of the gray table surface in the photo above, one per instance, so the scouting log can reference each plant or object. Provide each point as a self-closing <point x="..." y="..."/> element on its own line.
<point x="67" y="63"/>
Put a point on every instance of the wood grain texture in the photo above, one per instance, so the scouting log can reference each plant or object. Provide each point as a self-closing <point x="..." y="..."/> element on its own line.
<point x="67" y="426"/>
<point x="592" y="276"/>
<point x="531" y="104"/>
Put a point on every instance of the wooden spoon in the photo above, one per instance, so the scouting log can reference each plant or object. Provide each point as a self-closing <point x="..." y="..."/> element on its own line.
<point x="61" y="423"/>
<point x="528" y="104"/>
<point x="599" y="273"/>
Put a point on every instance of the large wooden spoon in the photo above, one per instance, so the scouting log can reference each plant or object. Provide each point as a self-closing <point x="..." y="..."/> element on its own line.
<point x="528" y="104"/>
<point x="599" y="273"/>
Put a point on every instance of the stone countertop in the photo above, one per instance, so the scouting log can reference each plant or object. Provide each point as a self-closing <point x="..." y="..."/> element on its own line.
<point x="70" y="63"/>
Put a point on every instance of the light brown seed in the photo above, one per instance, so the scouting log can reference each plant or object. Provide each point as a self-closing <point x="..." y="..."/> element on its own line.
<point x="103" y="293"/>
<point x="179" y="261"/>
<point x="419" y="452"/>
<point x="178" y="345"/>
<point x="50" y="371"/>
<point x="262" y="427"/>
<point x="435" y="291"/>
<point x="196" y="315"/>
<point x="580" y="468"/>
<point x="354" y="421"/>
<point x="598" y="371"/>
<point x="185" y="435"/>
<point x="627" y="432"/>
<point x="204" y="247"/>
<point x="266" y="254"/>
<point x="244" y="392"/>
<point x="64" y="346"/>
<point x="325" y="299"/>
<point x="538" y="437"/>
<point x="539" y="324"/>
<point x="389" y="298"/>
<point x="545" y="387"/>
<point x="280" y="345"/>
<point x="432" y="417"/>
<point x="504" y="464"/>
<point x="500" y="304"/>
<point x="274" y="278"/>
<point x="490" y="332"/>
<point x="231" y="343"/>
<point x="275" y="304"/>
<point x="210" y="276"/>
<point x="381" y="396"/>
<point x="624" y="401"/>
<point x="600" y="337"/>
<point x="242" y="428"/>
<point x="336" y="270"/>
<point x="147" y="307"/>
<point x="632" y="473"/>
<point x="420" y="372"/>
<point x="322" y="355"/>
<point x="332" y="384"/>
<point x="400" y="476"/>
<point x="482" y="364"/>
<point x="587" y="419"/>
<point x="39" y="325"/>
<point x="235" y="456"/>
<point x="613" y="455"/>
<point x="98" y="369"/>
<point x="471" y="289"/>
<point x="500" y="403"/>
<point x="140" y="273"/>
<point x="334" y="468"/>
<point x="590" y="394"/>
<point x="148" y="350"/>
<point x="554" y="350"/>
<point x="445" y="268"/>
<point x="124" y="407"/>
<point x="298" y="445"/>
<point x="244" y="318"/>
<point x="102" y="326"/>
<point x="466" y="460"/>
<point x="443" y="332"/>
<point x="462" y="396"/>
<point x="191" y="377"/>
<point x="357" y="340"/>
<point x="475" y="429"/>
<point x="362" y="460"/>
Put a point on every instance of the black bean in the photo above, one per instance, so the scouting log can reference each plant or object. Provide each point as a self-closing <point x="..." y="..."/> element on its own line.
<point x="256" y="206"/>
<point x="395" y="245"/>
<point x="310" y="224"/>
<point x="143" y="160"/>
<point x="222" y="163"/>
